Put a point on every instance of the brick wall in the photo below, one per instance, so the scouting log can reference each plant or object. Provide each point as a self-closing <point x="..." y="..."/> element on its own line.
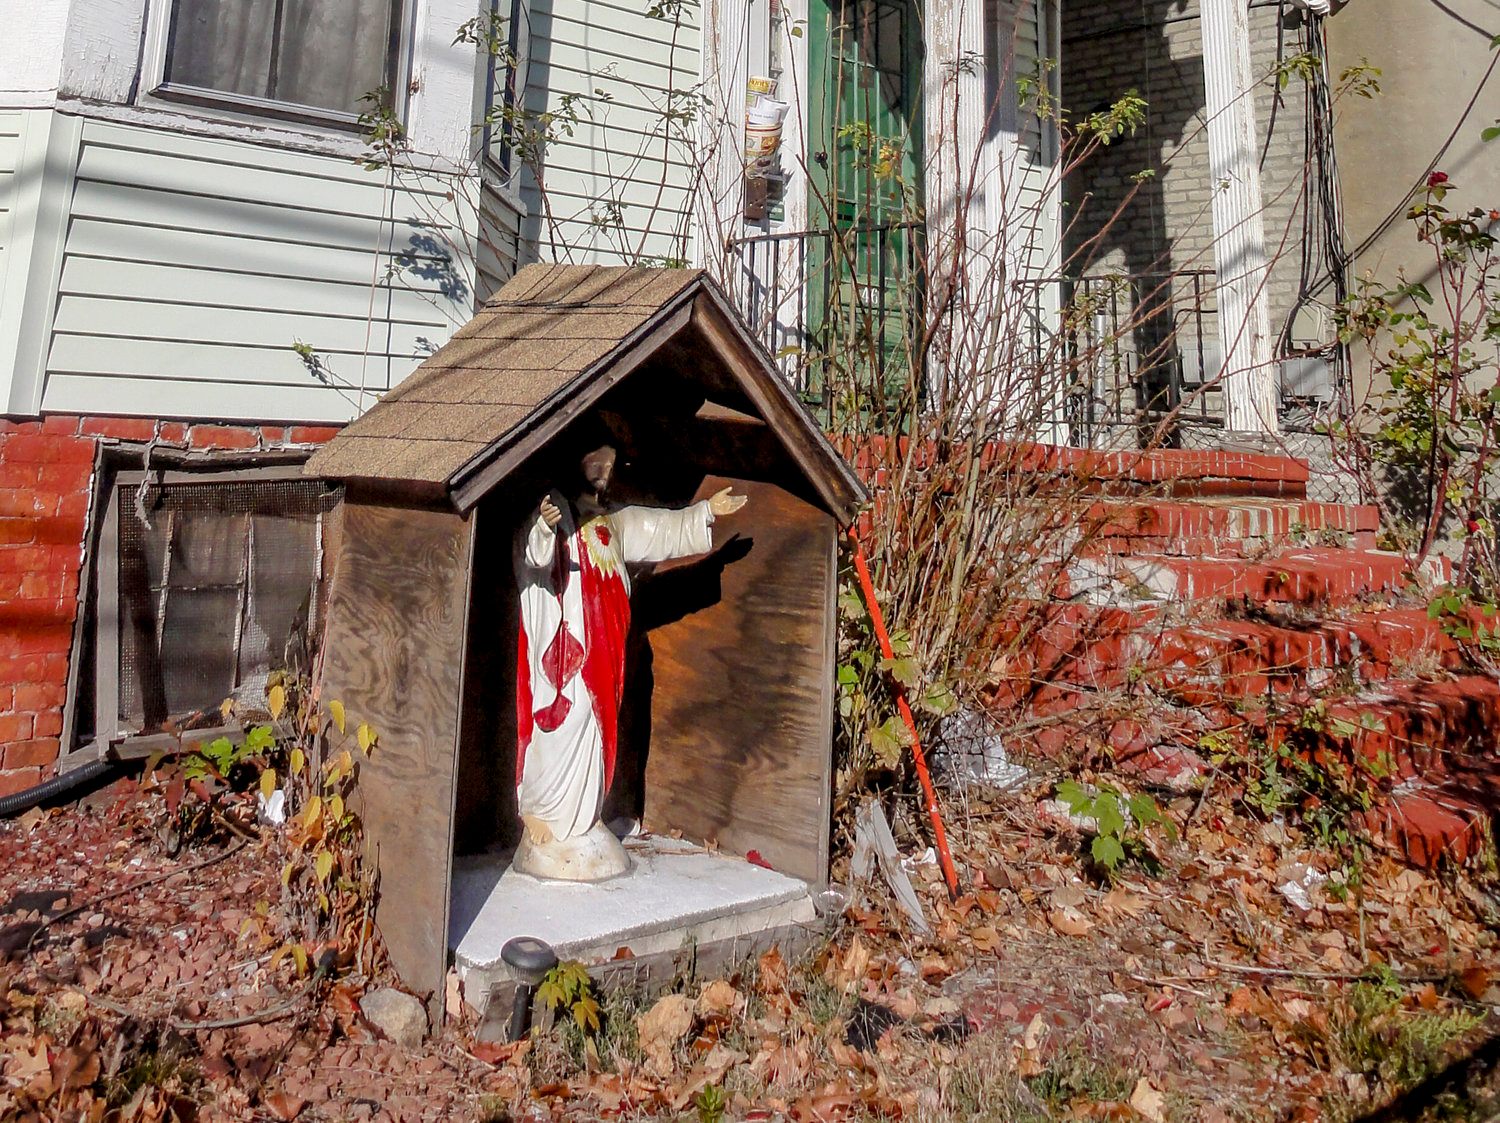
<point x="1155" y="48"/>
<point x="46" y="488"/>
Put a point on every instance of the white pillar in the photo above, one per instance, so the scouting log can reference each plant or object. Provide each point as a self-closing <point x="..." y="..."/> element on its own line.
<point x="1250" y="381"/>
<point x="954" y="111"/>
<point x="719" y="198"/>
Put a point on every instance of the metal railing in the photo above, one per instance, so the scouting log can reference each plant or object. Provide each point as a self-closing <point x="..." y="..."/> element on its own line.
<point x="849" y="299"/>
<point x="1132" y="349"/>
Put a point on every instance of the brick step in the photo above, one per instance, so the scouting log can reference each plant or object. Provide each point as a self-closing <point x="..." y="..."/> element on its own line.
<point x="1432" y="825"/>
<point x="1232" y="527"/>
<point x="1312" y="577"/>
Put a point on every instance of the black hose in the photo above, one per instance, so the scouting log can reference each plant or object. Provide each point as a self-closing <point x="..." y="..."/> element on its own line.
<point x="57" y="786"/>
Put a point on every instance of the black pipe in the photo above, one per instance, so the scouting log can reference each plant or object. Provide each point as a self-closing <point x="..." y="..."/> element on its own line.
<point x="57" y="786"/>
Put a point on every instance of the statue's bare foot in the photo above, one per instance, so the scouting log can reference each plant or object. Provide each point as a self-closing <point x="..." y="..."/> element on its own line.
<point x="537" y="831"/>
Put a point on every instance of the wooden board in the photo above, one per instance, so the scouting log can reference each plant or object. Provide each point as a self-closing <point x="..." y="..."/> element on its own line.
<point x="393" y="654"/>
<point x="741" y="669"/>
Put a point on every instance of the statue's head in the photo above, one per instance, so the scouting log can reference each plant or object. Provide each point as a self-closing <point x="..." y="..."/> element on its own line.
<point x="596" y="473"/>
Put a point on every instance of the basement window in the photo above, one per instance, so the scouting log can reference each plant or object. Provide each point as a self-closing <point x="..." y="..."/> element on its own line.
<point x="206" y="583"/>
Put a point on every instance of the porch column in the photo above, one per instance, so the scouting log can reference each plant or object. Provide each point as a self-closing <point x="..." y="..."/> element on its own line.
<point x="955" y="180"/>
<point x="719" y="198"/>
<point x="1250" y="382"/>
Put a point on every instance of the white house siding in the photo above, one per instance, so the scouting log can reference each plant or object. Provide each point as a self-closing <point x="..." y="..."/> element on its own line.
<point x="193" y="264"/>
<point x="619" y="188"/>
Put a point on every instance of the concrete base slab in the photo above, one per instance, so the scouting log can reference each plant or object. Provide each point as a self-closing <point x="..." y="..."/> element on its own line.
<point x="674" y="895"/>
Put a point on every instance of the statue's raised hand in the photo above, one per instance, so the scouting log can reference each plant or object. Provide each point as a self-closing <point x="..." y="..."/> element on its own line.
<point x="550" y="513"/>
<point x="724" y="503"/>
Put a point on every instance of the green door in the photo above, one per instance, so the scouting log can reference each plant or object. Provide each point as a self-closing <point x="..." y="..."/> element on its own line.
<point x="865" y="137"/>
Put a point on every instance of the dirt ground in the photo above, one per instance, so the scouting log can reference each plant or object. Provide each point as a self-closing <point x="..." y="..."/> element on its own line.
<point x="145" y="981"/>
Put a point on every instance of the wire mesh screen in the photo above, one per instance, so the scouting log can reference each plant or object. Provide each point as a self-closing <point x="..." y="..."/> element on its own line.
<point x="217" y="589"/>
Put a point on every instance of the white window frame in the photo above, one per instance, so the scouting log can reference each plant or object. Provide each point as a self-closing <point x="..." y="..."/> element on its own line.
<point x="157" y="90"/>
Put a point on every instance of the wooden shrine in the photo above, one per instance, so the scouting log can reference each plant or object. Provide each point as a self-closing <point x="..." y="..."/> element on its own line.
<point x="727" y="728"/>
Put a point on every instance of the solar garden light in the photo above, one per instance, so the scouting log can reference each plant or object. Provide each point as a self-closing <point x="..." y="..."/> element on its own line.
<point x="529" y="960"/>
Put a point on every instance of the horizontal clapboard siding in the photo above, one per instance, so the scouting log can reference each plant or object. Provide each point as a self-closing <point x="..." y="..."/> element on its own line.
<point x="624" y="68"/>
<point x="11" y="125"/>
<point x="193" y="265"/>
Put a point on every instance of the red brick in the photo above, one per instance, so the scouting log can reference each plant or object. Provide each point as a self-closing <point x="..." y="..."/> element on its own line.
<point x="35" y="668"/>
<point x="60" y="425"/>
<point x="25" y="559"/>
<point x="15" y="727"/>
<point x="36" y="752"/>
<point x="272" y="434"/>
<point x="19" y="781"/>
<point x="46" y="449"/>
<point x="44" y="586"/>
<point x="312" y="434"/>
<point x="17" y="532"/>
<point x="119" y="428"/>
<point x="48" y="724"/>
<point x="66" y="479"/>
<point x="222" y="436"/>
<point x="17" y="475"/>
<point x="36" y="696"/>
<point x="26" y="502"/>
<point x="47" y="638"/>
<point x="73" y="509"/>
<point x="173" y="432"/>
<point x="8" y="427"/>
<point x="7" y="698"/>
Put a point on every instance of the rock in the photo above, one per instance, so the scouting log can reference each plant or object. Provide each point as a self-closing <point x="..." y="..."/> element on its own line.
<point x="397" y="1015"/>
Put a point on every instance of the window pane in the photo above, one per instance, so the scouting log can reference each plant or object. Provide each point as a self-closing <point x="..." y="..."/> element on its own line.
<point x="333" y="52"/>
<point x="223" y="45"/>
<point x="321" y="53"/>
<point x="197" y="648"/>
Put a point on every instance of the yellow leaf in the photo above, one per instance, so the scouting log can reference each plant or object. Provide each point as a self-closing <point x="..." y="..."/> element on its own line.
<point x="298" y="759"/>
<point x="299" y="953"/>
<point x="226" y="708"/>
<point x="366" y="737"/>
<point x="345" y="762"/>
<point x="286" y="874"/>
<point x="336" y="710"/>
<point x="324" y="904"/>
<point x="336" y="807"/>
<point x="313" y="812"/>
<point x="276" y="700"/>
<point x="268" y="782"/>
<point x="281" y="953"/>
<point x="323" y="865"/>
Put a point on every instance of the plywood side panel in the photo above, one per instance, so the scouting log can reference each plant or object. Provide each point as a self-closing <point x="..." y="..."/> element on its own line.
<point x="393" y="654"/>
<point x="742" y="707"/>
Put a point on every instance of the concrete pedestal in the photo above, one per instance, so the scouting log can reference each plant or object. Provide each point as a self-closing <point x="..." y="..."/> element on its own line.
<point x="675" y="896"/>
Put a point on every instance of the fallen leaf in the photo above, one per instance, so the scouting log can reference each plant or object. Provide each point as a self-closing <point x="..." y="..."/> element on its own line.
<point x="720" y="997"/>
<point x="660" y="1029"/>
<point x="1070" y="922"/>
<point x="284" y="1107"/>
<point x="1150" y="1103"/>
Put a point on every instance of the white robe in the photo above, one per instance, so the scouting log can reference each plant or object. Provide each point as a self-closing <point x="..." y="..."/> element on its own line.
<point x="563" y="780"/>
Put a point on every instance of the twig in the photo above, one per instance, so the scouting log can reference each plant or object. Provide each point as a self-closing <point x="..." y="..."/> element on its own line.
<point x="1327" y="976"/>
<point x="131" y="888"/>
<point x="182" y="1025"/>
<point x="1169" y="985"/>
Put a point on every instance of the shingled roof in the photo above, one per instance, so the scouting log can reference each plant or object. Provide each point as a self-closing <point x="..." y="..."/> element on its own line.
<point x="534" y="357"/>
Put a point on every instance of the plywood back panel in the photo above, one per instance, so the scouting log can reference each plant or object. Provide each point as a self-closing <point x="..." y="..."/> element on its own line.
<point x="741" y="663"/>
<point x="393" y="654"/>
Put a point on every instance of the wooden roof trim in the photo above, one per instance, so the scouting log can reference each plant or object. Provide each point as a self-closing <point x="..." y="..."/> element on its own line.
<point x="565" y="404"/>
<point x="819" y="461"/>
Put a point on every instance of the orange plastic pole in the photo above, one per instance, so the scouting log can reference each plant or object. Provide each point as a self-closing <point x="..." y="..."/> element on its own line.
<point x="940" y="836"/>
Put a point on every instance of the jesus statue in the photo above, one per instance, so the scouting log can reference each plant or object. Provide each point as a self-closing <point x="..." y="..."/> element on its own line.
<point x="571" y="564"/>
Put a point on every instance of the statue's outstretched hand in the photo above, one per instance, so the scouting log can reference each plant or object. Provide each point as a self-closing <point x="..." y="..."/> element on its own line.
<point x="550" y="513"/>
<point x="723" y="503"/>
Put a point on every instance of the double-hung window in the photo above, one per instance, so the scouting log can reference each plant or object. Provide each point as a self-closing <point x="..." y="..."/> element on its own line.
<point x="312" y="60"/>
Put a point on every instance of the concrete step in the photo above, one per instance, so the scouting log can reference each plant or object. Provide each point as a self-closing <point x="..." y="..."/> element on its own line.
<point x="1311" y="577"/>
<point x="1237" y="527"/>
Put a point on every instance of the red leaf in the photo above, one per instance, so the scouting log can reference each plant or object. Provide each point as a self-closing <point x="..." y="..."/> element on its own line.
<point x="754" y="858"/>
